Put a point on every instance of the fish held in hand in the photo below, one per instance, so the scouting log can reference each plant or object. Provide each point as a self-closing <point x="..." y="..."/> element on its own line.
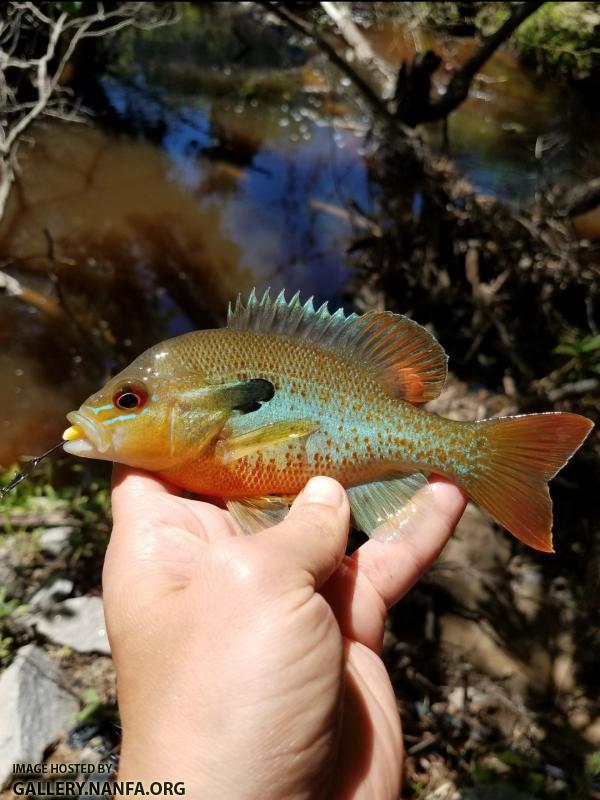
<point x="250" y="412"/>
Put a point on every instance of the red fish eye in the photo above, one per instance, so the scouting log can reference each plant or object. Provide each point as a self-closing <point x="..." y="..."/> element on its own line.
<point x="130" y="397"/>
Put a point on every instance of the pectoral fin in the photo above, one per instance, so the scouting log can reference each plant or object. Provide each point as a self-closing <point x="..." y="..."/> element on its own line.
<point x="254" y="514"/>
<point x="232" y="448"/>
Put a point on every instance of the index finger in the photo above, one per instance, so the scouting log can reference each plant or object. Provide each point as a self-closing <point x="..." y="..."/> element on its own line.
<point x="393" y="567"/>
<point x="134" y="490"/>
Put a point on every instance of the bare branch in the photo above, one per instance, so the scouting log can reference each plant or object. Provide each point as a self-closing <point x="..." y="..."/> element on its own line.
<point x="377" y="105"/>
<point x="581" y="199"/>
<point x="341" y="15"/>
<point x="423" y="109"/>
<point x="43" y="73"/>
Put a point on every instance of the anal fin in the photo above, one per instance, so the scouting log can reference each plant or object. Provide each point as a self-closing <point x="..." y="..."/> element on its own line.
<point x="254" y="514"/>
<point x="383" y="508"/>
<point x="232" y="448"/>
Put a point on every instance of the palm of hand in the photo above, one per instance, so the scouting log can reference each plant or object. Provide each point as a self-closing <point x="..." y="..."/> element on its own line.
<point x="282" y="650"/>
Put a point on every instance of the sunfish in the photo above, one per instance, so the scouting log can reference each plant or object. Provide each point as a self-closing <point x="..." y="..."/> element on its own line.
<point x="250" y="412"/>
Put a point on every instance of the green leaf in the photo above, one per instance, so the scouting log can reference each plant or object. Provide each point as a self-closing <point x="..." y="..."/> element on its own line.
<point x="565" y="349"/>
<point x="513" y="759"/>
<point x="591" y="343"/>
<point x="92" y="703"/>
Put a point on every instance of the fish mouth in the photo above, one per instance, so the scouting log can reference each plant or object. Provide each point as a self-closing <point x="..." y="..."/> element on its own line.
<point x="95" y="438"/>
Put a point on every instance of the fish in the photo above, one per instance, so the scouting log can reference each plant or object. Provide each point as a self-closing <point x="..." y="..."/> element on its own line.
<point x="250" y="412"/>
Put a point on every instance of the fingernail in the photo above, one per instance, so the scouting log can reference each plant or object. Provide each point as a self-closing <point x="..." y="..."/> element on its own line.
<point x="323" y="490"/>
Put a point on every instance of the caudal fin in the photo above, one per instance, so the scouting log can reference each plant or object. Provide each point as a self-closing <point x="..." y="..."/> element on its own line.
<point x="519" y="456"/>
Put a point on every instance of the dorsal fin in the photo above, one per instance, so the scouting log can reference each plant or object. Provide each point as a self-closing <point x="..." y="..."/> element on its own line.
<point x="403" y="354"/>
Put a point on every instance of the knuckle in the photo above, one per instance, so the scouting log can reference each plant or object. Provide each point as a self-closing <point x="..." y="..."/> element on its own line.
<point x="317" y="520"/>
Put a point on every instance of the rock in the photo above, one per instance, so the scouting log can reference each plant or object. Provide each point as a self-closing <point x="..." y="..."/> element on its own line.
<point x="54" y="541"/>
<point x="477" y="644"/>
<point x="77" y="622"/>
<point x="472" y="567"/>
<point x="34" y="709"/>
<point x="564" y="674"/>
<point x="592" y="733"/>
<point x="54" y="589"/>
<point x="14" y="552"/>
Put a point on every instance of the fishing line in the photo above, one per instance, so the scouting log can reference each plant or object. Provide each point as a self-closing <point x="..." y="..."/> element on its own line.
<point x="21" y="476"/>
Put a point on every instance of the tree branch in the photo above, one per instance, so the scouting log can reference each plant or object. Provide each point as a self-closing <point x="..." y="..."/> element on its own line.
<point x="24" y="21"/>
<point x="370" y="96"/>
<point x="458" y="87"/>
<point x="581" y="199"/>
<point x="341" y="15"/>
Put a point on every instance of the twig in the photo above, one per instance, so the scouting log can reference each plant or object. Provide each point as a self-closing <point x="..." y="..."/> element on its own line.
<point x="37" y="519"/>
<point x="575" y="389"/>
<point x="61" y="35"/>
<point x="423" y="745"/>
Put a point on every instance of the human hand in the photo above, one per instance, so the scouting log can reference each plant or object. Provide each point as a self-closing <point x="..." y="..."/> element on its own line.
<point x="248" y="666"/>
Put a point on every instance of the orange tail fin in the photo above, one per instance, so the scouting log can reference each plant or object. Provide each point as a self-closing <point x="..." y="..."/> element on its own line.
<point x="521" y="454"/>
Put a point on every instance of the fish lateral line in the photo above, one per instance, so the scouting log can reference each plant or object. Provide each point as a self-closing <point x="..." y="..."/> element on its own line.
<point x="27" y="471"/>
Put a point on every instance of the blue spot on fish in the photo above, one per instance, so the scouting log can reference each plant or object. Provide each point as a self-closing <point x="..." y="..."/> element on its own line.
<point x="121" y="418"/>
<point x="98" y="409"/>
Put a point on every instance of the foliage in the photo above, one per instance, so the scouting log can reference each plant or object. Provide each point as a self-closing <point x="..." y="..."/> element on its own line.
<point x="593" y="764"/>
<point x="56" y="485"/>
<point x="10" y="609"/>
<point x="583" y="353"/>
<point x="92" y="703"/>
<point x="59" y="493"/>
<point x="562" y="38"/>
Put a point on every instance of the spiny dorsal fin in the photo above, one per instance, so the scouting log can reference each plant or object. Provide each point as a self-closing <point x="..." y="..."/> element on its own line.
<point x="403" y="354"/>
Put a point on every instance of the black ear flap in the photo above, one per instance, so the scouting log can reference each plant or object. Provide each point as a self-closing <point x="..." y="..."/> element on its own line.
<point x="252" y="393"/>
<point x="245" y="396"/>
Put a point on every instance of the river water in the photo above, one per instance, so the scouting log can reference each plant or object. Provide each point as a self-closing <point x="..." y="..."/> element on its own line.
<point x="229" y="166"/>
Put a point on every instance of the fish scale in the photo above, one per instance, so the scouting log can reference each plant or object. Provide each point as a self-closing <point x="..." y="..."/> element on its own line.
<point x="250" y="412"/>
<point x="364" y="433"/>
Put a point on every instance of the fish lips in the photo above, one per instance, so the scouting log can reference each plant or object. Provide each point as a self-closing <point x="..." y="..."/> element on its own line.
<point x="96" y="438"/>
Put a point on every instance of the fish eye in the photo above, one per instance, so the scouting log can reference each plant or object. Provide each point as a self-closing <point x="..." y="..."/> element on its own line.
<point x="130" y="397"/>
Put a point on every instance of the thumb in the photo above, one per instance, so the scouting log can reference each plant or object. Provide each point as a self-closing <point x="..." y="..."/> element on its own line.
<point x="314" y="534"/>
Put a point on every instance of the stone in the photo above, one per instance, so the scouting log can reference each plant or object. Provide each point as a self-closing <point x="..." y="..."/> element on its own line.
<point x="77" y="622"/>
<point x="14" y="550"/>
<point x="54" y="589"/>
<point x="54" y="541"/>
<point x="34" y="709"/>
<point x="592" y="733"/>
<point x="478" y="645"/>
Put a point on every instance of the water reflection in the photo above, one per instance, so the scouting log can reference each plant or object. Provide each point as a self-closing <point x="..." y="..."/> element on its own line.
<point x="151" y="241"/>
<point x="518" y="131"/>
<point x="238" y="163"/>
